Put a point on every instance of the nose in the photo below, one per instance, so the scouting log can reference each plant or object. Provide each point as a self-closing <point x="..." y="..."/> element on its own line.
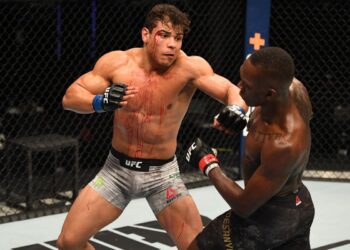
<point x="171" y="43"/>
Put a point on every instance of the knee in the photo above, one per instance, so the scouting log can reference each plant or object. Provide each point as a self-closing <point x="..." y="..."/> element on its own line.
<point x="68" y="241"/>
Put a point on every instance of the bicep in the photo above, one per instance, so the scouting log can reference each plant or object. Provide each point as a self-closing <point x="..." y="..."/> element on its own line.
<point x="215" y="86"/>
<point x="210" y="83"/>
<point x="268" y="179"/>
<point x="99" y="78"/>
<point x="91" y="82"/>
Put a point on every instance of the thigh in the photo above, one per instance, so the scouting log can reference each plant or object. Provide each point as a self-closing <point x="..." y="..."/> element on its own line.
<point x="298" y="242"/>
<point x="89" y="213"/>
<point x="181" y="220"/>
<point x="229" y="231"/>
<point x="217" y="234"/>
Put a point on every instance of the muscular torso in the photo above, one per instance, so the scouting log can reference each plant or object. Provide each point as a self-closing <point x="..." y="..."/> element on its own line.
<point x="147" y="127"/>
<point x="296" y="132"/>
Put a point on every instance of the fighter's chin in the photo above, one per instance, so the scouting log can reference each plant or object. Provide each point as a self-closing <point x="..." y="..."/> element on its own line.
<point x="166" y="64"/>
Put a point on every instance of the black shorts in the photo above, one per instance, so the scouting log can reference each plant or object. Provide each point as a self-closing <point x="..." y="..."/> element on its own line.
<point x="281" y="223"/>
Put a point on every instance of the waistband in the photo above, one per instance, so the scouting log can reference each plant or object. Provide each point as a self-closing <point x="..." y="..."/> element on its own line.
<point x="138" y="164"/>
<point x="294" y="198"/>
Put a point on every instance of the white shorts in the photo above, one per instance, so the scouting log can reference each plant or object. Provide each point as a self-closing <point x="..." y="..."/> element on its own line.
<point x="122" y="179"/>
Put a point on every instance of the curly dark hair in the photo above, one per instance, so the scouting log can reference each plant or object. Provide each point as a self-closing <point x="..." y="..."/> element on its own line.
<point x="167" y="13"/>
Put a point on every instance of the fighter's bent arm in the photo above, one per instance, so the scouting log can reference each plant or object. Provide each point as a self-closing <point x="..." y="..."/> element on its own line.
<point x="80" y="94"/>
<point x="266" y="181"/>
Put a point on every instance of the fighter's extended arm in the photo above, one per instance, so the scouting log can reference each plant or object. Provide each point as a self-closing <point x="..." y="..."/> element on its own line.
<point x="232" y="117"/>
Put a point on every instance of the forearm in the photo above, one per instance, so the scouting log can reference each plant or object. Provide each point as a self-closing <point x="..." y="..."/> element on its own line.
<point x="234" y="98"/>
<point x="230" y="191"/>
<point x="202" y="156"/>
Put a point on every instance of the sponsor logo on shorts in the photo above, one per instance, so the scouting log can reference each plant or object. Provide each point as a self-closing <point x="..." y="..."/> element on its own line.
<point x="98" y="182"/>
<point x="226" y="231"/>
<point x="171" y="195"/>
<point x="297" y="200"/>
<point x="174" y="176"/>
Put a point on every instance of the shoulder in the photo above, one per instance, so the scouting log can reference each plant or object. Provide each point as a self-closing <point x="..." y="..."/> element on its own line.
<point x="297" y="85"/>
<point x="113" y="58"/>
<point x="298" y="88"/>
<point x="195" y="64"/>
<point x="109" y="62"/>
<point x="302" y="99"/>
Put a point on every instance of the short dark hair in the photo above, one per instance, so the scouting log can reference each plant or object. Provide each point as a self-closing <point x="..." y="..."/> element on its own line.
<point x="276" y="61"/>
<point x="167" y="13"/>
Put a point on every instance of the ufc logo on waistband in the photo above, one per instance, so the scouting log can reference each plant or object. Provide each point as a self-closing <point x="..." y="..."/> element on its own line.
<point x="133" y="164"/>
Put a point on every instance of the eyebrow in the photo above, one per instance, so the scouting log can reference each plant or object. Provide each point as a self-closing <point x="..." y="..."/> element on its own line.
<point x="169" y="32"/>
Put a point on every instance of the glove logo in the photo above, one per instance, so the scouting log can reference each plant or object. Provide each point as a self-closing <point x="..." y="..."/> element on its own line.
<point x="105" y="95"/>
<point x="189" y="151"/>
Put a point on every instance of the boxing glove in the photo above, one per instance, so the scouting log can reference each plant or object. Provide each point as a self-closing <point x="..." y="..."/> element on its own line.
<point x="201" y="155"/>
<point x="111" y="98"/>
<point x="232" y="117"/>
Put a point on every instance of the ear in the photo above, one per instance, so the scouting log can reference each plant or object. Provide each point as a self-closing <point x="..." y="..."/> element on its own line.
<point x="145" y="35"/>
<point x="271" y="94"/>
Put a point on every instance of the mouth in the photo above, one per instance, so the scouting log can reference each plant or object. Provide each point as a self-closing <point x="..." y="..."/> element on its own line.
<point x="169" y="55"/>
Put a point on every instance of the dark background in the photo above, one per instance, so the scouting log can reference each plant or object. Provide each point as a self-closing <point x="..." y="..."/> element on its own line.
<point x="46" y="45"/>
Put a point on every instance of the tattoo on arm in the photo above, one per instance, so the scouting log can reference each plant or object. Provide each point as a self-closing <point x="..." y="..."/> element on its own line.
<point x="262" y="137"/>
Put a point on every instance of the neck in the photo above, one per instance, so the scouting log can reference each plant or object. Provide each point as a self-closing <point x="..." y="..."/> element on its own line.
<point x="275" y="111"/>
<point x="150" y="65"/>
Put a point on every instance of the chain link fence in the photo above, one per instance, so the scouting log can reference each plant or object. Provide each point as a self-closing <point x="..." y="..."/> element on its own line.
<point x="47" y="153"/>
<point x="317" y="34"/>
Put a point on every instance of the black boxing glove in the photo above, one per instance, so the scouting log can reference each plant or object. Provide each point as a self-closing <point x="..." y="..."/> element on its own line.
<point x="110" y="99"/>
<point x="201" y="155"/>
<point x="232" y="117"/>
